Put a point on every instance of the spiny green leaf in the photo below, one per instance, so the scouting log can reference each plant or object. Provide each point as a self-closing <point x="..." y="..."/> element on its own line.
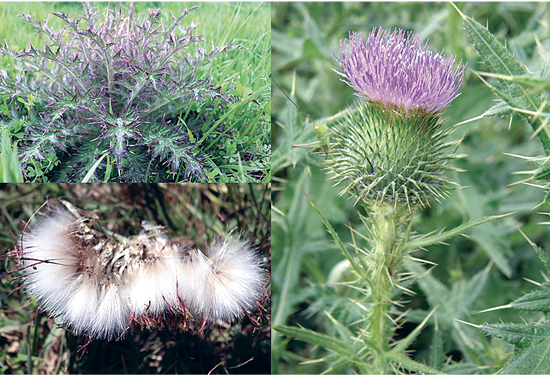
<point x="541" y="253"/>
<point x="336" y="238"/>
<point x="318" y="339"/>
<point x="345" y="334"/>
<point x="442" y="236"/>
<point x="502" y="62"/>
<point x="500" y="109"/>
<point x="519" y="335"/>
<point x="543" y="172"/>
<point x="454" y="303"/>
<point x="530" y="80"/>
<point x="536" y="301"/>
<point x="341" y="365"/>
<point x="436" y="353"/>
<point x="534" y="360"/>
<point x="496" y="56"/>
<point x="489" y="237"/>
<point x="461" y="369"/>
<point x="412" y="365"/>
<point x="404" y="343"/>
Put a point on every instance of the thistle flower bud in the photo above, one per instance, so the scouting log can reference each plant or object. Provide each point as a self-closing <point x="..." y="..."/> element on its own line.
<point x="391" y="148"/>
<point x="388" y="157"/>
<point x="99" y="286"/>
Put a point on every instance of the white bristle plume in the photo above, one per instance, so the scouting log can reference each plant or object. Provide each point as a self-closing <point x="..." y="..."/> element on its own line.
<point x="154" y="286"/>
<point x="82" y="306"/>
<point x="237" y="279"/>
<point x="50" y="262"/>
<point x="100" y="287"/>
<point x="65" y="275"/>
<point x="193" y="271"/>
<point x="154" y="276"/>
<point x="112" y="316"/>
<point x="222" y="286"/>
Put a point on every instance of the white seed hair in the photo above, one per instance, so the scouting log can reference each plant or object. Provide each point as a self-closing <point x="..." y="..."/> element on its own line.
<point x="154" y="277"/>
<point x="233" y="283"/>
<point x="98" y="286"/>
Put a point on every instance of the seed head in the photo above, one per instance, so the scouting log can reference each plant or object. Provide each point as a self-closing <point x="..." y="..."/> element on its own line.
<point x="100" y="287"/>
<point x="396" y="69"/>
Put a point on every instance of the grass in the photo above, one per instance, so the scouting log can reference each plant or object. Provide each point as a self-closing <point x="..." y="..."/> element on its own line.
<point x="241" y="151"/>
<point x="30" y="341"/>
<point x="304" y="35"/>
<point x="10" y="170"/>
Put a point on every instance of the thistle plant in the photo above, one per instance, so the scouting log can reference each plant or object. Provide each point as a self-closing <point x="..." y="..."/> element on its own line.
<point x="115" y="97"/>
<point x="392" y="154"/>
<point x="524" y="94"/>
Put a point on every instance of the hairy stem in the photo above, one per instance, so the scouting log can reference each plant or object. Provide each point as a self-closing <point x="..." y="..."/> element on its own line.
<point x="384" y="221"/>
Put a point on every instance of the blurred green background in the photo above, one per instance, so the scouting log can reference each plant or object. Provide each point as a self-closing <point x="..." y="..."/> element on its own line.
<point x="304" y="36"/>
<point x="199" y="213"/>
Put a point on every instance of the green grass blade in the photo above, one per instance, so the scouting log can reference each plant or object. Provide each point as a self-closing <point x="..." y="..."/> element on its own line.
<point x="91" y="172"/>
<point x="10" y="170"/>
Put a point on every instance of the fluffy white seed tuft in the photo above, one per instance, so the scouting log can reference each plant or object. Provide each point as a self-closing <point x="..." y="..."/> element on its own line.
<point x="100" y="287"/>
<point x="153" y="276"/>
<point x="236" y="279"/>
<point x="50" y="262"/>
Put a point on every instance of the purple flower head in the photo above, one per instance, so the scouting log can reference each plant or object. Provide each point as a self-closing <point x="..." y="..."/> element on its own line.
<point x="397" y="68"/>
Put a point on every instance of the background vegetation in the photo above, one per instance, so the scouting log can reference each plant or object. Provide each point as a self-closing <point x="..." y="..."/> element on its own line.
<point x="30" y="342"/>
<point x="490" y="267"/>
<point x="241" y="151"/>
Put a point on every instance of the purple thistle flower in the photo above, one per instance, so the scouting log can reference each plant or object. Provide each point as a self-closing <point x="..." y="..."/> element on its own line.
<point x="398" y="68"/>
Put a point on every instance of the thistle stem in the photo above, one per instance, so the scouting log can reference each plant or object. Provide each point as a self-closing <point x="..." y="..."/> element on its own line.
<point x="384" y="220"/>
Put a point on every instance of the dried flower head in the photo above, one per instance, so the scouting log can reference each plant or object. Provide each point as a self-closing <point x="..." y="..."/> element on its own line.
<point x="396" y="68"/>
<point x="114" y="83"/>
<point x="101" y="286"/>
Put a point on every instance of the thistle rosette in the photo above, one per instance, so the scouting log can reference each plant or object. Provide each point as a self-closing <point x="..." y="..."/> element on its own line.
<point x="114" y="83"/>
<point x="392" y="147"/>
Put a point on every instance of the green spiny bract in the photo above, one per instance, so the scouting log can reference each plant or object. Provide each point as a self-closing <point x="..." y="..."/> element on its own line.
<point x="380" y="154"/>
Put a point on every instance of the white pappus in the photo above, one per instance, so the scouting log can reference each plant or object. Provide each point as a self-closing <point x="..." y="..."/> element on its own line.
<point x="100" y="286"/>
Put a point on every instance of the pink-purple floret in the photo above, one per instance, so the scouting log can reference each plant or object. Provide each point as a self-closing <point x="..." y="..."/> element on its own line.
<point x="398" y="68"/>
